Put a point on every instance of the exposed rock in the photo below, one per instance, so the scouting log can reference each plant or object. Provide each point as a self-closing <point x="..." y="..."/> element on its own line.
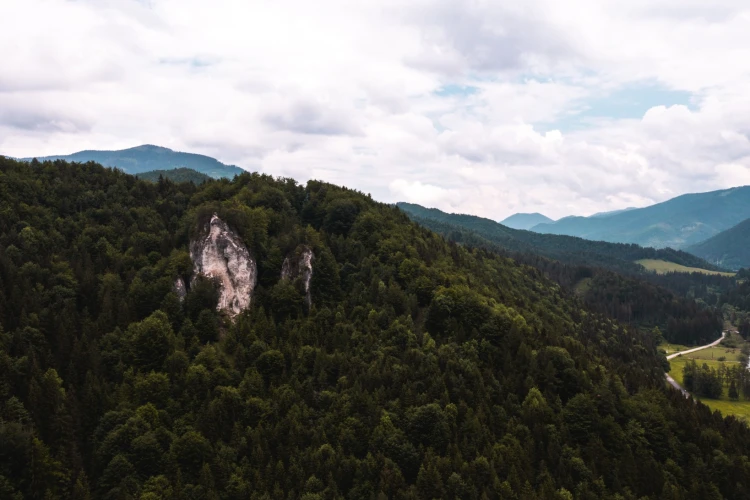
<point x="221" y="255"/>
<point x="179" y="288"/>
<point x="299" y="265"/>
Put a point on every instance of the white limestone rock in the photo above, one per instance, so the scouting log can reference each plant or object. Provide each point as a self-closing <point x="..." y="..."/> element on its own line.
<point x="299" y="265"/>
<point x="221" y="255"/>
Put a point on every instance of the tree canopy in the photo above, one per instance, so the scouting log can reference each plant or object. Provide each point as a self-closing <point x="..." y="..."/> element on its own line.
<point x="422" y="369"/>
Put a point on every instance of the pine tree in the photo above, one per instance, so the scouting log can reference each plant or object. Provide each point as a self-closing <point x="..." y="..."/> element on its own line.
<point x="733" y="394"/>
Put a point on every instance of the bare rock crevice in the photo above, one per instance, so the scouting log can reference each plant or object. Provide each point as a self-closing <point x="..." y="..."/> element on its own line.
<point x="221" y="255"/>
<point x="180" y="288"/>
<point x="299" y="265"/>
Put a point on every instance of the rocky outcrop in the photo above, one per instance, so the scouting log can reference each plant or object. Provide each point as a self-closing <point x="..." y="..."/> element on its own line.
<point x="221" y="255"/>
<point x="179" y="288"/>
<point x="299" y="265"/>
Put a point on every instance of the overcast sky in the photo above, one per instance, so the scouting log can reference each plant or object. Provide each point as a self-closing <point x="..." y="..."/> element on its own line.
<point x="483" y="107"/>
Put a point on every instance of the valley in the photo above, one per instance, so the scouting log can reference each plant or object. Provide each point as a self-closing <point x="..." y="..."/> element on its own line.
<point x="720" y="359"/>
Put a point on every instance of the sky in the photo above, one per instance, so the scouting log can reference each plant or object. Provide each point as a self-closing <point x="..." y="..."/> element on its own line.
<point x="470" y="106"/>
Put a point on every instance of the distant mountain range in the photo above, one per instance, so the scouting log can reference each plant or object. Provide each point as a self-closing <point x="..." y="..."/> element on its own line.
<point x="729" y="249"/>
<point x="475" y="231"/>
<point x="147" y="158"/>
<point x="612" y="212"/>
<point x="525" y="221"/>
<point x="678" y="223"/>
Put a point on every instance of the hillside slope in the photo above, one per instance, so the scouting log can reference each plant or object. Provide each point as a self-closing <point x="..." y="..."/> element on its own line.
<point x="175" y="175"/>
<point x="146" y="158"/>
<point x="618" y="257"/>
<point x="677" y="223"/>
<point x="729" y="249"/>
<point x="421" y="369"/>
<point x="525" y="221"/>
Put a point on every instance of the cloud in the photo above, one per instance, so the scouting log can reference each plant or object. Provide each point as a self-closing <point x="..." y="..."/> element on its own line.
<point x="309" y="117"/>
<point x="427" y="194"/>
<point x="486" y="36"/>
<point x="473" y="106"/>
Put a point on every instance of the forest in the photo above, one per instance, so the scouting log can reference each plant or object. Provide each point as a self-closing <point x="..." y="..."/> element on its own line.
<point x="619" y="257"/>
<point x="708" y="382"/>
<point x="616" y="288"/>
<point x="422" y="368"/>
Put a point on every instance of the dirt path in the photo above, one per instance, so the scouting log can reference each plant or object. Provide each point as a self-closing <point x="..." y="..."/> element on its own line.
<point x="672" y="381"/>
<point x="712" y="344"/>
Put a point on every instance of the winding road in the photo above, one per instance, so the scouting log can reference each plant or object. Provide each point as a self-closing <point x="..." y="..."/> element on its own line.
<point x="672" y="381"/>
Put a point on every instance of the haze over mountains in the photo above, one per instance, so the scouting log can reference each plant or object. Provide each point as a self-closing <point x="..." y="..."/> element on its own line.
<point x="148" y="157"/>
<point x="729" y="249"/>
<point x="678" y="223"/>
<point x="525" y="221"/>
<point x="612" y="212"/>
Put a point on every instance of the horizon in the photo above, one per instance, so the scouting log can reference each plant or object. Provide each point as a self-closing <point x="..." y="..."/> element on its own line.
<point x="479" y="108"/>
<point x="499" y="220"/>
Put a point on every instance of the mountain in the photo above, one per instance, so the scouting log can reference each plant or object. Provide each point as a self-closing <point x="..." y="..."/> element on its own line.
<point x="175" y="175"/>
<point x="525" y="221"/>
<point x="147" y="158"/>
<point x="419" y="368"/>
<point x="729" y="249"/>
<point x="677" y="223"/>
<point x="615" y="256"/>
<point x="612" y="212"/>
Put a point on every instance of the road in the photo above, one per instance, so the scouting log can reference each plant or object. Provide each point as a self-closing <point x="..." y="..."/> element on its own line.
<point x="672" y="381"/>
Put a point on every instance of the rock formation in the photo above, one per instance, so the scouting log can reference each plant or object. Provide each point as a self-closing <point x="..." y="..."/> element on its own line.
<point x="179" y="288"/>
<point x="221" y="255"/>
<point x="299" y="265"/>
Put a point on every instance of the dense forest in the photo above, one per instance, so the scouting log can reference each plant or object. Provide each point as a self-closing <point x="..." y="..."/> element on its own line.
<point x="642" y="300"/>
<point x="421" y="369"/>
<point x="571" y="261"/>
<point x="175" y="175"/>
<point x="708" y="382"/>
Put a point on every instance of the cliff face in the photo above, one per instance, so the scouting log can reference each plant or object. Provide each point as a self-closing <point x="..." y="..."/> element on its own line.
<point x="221" y="255"/>
<point x="299" y="266"/>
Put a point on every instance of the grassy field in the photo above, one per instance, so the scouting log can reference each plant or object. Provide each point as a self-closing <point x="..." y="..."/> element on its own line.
<point x="714" y="353"/>
<point x="673" y="348"/>
<point x="662" y="267"/>
<point x="740" y="409"/>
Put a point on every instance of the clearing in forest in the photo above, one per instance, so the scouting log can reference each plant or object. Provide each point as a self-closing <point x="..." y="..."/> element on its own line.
<point x="663" y="267"/>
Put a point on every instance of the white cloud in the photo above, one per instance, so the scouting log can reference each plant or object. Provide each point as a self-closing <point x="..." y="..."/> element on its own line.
<point x="442" y="102"/>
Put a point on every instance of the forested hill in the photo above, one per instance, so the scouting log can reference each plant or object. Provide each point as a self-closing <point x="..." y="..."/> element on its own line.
<point x="616" y="256"/>
<point x="175" y="175"/>
<point x="642" y="300"/>
<point x="730" y="248"/>
<point x="421" y="369"/>
<point x="148" y="157"/>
